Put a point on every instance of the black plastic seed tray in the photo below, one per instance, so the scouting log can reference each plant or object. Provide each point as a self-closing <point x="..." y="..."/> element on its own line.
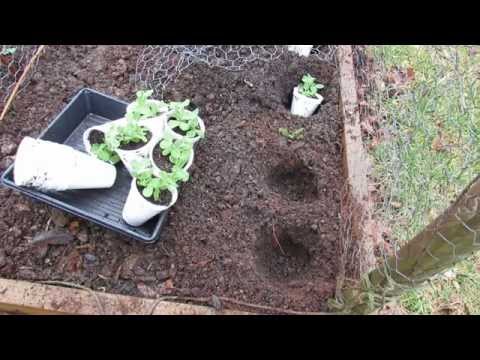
<point x="101" y="206"/>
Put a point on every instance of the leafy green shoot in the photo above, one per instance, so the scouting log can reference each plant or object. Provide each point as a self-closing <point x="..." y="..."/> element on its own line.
<point x="143" y="107"/>
<point x="292" y="135"/>
<point x="177" y="150"/>
<point x="131" y="132"/>
<point x="152" y="185"/>
<point x="184" y="119"/>
<point x="104" y="153"/>
<point x="309" y="87"/>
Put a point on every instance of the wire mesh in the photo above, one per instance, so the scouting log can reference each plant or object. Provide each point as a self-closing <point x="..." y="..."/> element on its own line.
<point x="421" y="124"/>
<point x="159" y="65"/>
<point x="13" y="60"/>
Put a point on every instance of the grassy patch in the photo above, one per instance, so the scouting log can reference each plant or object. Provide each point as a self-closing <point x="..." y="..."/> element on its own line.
<point x="427" y="101"/>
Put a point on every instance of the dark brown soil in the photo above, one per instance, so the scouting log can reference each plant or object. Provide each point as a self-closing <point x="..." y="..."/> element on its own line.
<point x="250" y="188"/>
<point x="96" y="137"/>
<point x="165" y="197"/>
<point x="136" y="145"/>
<point x="161" y="161"/>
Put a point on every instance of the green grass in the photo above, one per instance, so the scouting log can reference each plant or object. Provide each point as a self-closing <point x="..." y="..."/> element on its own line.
<point x="458" y="294"/>
<point x="432" y="150"/>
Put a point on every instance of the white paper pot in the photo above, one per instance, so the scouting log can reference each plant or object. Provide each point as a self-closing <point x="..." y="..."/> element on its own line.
<point x="156" y="169"/>
<point x="155" y="125"/>
<point x="138" y="210"/>
<point x="47" y="165"/>
<point x="303" y="105"/>
<point x="176" y="135"/>
<point x="302" y="50"/>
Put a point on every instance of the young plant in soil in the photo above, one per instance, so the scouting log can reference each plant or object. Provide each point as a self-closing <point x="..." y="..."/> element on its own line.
<point x="130" y="136"/>
<point x="183" y="121"/>
<point x="177" y="150"/>
<point x="143" y="107"/>
<point x="305" y="97"/>
<point x="154" y="188"/>
<point x="291" y="135"/>
<point x="101" y="150"/>
<point x="309" y="87"/>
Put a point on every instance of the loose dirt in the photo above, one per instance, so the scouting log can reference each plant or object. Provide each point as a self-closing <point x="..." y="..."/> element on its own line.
<point x="259" y="219"/>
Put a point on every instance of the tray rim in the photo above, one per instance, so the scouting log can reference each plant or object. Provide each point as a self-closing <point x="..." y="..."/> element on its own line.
<point x="61" y="205"/>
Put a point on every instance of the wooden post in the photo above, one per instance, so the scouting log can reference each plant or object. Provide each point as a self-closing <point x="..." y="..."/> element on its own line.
<point x="356" y="242"/>
<point x="452" y="237"/>
<point x="22" y="297"/>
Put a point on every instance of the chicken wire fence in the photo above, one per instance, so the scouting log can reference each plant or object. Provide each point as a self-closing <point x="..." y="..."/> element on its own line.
<point x="159" y="65"/>
<point x="13" y="61"/>
<point x="421" y="126"/>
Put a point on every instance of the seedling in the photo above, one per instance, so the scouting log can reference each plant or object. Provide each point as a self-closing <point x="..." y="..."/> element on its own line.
<point x="184" y="119"/>
<point x="132" y="132"/>
<point x="291" y="135"/>
<point x="178" y="173"/>
<point x="103" y="152"/>
<point x="152" y="186"/>
<point x="178" y="151"/>
<point x="143" y="107"/>
<point x="308" y="86"/>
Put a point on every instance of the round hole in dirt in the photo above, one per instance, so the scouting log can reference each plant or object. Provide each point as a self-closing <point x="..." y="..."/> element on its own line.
<point x="280" y="254"/>
<point x="294" y="180"/>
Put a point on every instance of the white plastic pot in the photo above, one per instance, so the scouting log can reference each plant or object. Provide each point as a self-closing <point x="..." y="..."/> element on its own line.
<point x="155" y="125"/>
<point x="176" y="135"/>
<point x="303" y="105"/>
<point x="138" y="210"/>
<point x="156" y="169"/>
<point x="302" y="50"/>
<point x="46" y="165"/>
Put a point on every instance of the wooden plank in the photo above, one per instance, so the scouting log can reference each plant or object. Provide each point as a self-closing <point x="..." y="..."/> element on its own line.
<point x="356" y="165"/>
<point x="38" y="299"/>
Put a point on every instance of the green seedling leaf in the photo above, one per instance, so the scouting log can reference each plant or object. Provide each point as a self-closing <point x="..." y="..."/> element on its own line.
<point x="103" y="152"/>
<point x="292" y="135"/>
<point x="143" y="107"/>
<point x="309" y="87"/>
<point x="179" y="150"/>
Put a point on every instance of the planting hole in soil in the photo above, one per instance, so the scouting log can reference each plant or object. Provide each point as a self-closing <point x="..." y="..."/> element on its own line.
<point x="280" y="254"/>
<point x="294" y="180"/>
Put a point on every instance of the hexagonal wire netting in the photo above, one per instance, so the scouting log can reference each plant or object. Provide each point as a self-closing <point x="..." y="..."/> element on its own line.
<point x="13" y="60"/>
<point x="159" y="65"/>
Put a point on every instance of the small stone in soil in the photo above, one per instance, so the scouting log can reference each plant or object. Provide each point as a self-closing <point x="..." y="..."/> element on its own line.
<point x="40" y="251"/>
<point x="82" y="236"/>
<point x="59" y="218"/>
<point x="162" y="275"/>
<point x="216" y="302"/>
<point x="6" y="162"/>
<point x="146" y="291"/>
<point x="53" y="237"/>
<point x="22" y="207"/>
<point x="90" y="258"/>
<point x="8" y="149"/>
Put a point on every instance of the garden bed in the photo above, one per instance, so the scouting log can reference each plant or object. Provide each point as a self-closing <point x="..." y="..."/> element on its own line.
<point x="260" y="219"/>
